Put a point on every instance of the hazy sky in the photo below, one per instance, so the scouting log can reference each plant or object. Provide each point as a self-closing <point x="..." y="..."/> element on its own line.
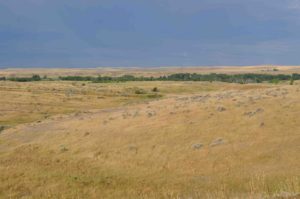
<point x="89" y="33"/>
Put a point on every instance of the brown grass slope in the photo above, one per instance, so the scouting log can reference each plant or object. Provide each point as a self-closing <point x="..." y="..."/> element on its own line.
<point x="220" y="141"/>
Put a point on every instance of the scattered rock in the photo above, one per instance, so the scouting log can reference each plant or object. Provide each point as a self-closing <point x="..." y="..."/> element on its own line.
<point x="286" y="195"/>
<point x="218" y="141"/>
<point x="181" y="98"/>
<point x="252" y="113"/>
<point x="259" y="110"/>
<point x="197" y="146"/>
<point x="221" y="109"/>
<point x="97" y="154"/>
<point x="150" y="114"/>
<point x="133" y="148"/>
<point x="77" y="114"/>
<point x="136" y="114"/>
<point x="105" y="122"/>
<point x="63" y="148"/>
<point x="186" y="111"/>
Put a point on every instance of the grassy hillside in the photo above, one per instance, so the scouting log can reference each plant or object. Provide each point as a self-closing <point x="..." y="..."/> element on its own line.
<point x="192" y="140"/>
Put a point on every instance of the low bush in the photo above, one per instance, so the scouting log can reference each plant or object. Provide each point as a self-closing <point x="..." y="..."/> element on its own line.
<point x="155" y="89"/>
<point x="140" y="91"/>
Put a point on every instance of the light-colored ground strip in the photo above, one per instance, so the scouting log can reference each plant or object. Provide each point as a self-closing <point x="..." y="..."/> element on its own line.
<point x="148" y="71"/>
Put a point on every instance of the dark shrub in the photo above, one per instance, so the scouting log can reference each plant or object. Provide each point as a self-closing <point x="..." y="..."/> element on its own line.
<point x="155" y="89"/>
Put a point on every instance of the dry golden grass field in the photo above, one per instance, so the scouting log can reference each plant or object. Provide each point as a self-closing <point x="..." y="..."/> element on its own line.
<point x="189" y="140"/>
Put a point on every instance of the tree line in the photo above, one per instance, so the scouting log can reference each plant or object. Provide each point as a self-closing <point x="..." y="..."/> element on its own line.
<point x="230" y="78"/>
<point x="22" y="79"/>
